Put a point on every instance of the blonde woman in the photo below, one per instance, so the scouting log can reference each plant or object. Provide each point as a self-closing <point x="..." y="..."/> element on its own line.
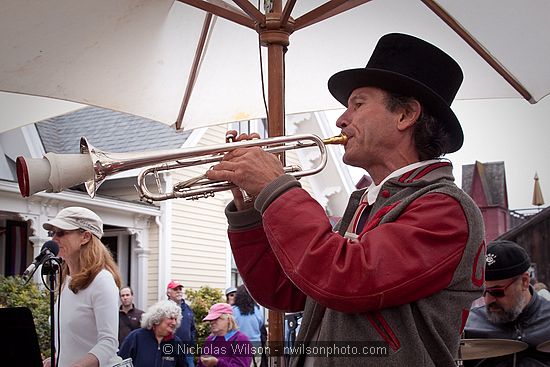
<point x="226" y="345"/>
<point x="87" y="308"/>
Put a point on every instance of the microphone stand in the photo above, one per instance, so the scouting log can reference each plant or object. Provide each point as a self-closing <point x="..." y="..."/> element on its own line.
<point x="50" y="268"/>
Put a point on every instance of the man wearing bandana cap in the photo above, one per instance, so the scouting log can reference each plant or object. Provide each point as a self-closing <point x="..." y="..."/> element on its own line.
<point x="512" y="310"/>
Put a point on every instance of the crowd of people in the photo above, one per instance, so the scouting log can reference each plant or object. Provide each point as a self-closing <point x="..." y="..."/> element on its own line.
<point x="166" y="333"/>
<point x="156" y="343"/>
<point x="406" y="266"/>
<point x="510" y="308"/>
<point x="88" y="330"/>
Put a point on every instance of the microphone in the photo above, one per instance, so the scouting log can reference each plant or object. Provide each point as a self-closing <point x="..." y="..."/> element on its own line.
<point x="49" y="249"/>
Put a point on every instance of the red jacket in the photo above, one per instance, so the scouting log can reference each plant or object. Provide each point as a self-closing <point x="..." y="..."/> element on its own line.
<point x="422" y="247"/>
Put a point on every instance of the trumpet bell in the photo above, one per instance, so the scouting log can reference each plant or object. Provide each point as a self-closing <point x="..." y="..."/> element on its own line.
<point x="53" y="173"/>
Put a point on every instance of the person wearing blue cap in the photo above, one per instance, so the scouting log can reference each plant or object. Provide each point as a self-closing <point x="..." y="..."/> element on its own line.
<point x="406" y="260"/>
<point x="512" y="310"/>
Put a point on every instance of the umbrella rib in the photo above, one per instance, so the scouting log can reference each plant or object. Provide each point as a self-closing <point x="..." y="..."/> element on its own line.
<point x="481" y="51"/>
<point x="289" y="6"/>
<point x="195" y="68"/>
<point x="251" y="10"/>
<point x="325" y="11"/>
<point x="224" y="10"/>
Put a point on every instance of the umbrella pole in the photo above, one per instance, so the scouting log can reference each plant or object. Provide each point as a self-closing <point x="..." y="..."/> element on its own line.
<point x="276" y="93"/>
<point x="276" y="41"/>
<point x="276" y="127"/>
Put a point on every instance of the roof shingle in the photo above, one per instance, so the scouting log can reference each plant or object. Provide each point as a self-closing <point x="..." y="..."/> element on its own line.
<point x="107" y="130"/>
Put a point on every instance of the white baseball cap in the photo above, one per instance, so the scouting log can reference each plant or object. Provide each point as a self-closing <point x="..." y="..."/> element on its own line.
<point x="230" y="290"/>
<point x="76" y="217"/>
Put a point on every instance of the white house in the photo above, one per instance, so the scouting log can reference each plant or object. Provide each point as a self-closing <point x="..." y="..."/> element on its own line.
<point x="152" y="243"/>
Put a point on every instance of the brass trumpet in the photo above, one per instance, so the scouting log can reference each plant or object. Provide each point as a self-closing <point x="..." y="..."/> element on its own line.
<point x="56" y="172"/>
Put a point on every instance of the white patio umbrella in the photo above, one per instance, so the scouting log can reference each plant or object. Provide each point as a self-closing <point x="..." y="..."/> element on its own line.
<point x="139" y="56"/>
<point x="538" y="199"/>
<point x="156" y="59"/>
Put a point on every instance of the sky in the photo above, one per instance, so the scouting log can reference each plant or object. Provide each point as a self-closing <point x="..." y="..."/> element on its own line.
<point x="509" y="130"/>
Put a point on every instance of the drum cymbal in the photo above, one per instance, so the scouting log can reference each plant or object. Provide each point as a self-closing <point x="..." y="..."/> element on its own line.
<point x="544" y="347"/>
<point x="488" y="348"/>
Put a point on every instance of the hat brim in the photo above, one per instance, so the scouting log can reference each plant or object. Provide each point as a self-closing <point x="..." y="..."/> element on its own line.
<point x="342" y="84"/>
<point x="59" y="223"/>
<point x="177" y="286"/>
<point x="212" y="316"/>
<point x="508" y="272"/>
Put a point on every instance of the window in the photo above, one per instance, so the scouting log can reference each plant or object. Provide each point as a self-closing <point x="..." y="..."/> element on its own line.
<point x="250" y="126"/>
<point x="118" y="242"/>
<point x="16" y="248"/>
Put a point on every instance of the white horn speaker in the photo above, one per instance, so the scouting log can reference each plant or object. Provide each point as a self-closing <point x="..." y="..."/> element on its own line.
<point x="53" y="173"/>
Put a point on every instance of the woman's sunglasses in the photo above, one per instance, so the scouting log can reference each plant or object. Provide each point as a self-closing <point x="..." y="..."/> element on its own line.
<point x="498" y="292"/>
<point x="62" y="232"/>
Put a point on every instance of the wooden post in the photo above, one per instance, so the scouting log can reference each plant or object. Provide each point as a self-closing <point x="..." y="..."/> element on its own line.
<point x="275" y="39"/>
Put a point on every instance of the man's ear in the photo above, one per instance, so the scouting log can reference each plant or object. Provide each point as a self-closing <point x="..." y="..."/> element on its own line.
<point x="409" y="115"/>
<point x="525" y="280"/>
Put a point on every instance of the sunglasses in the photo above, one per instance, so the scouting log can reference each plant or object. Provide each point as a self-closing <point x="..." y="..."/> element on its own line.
<point x="61" y="232"/>
<point x="498" y="292"/>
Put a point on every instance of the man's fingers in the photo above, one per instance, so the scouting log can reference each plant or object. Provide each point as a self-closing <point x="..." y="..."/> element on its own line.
<point x="230" y="136"/>
<point x="233" y="135"/>
<point x="241" y="152"/>
<point x="225" y="166"/>
<point x="218" y="174"/>
<point x="250" y="136"/>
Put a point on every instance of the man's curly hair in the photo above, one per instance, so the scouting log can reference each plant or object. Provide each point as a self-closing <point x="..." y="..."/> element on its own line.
<point x="430" y="137"/>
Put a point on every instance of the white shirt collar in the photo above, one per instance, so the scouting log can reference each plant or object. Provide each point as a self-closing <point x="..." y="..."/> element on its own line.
<point x="373" y="190"/>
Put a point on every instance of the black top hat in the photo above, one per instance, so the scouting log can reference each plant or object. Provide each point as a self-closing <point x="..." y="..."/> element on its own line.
<point x="505" y="259"/>
<point x="413" y="67"/>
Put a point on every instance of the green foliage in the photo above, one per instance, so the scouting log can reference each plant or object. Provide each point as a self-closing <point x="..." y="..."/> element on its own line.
<point x="15" y="293"/>
<point x="200" y="301"/>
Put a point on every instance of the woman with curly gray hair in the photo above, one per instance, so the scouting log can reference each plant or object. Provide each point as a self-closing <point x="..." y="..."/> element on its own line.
<point x="155" y="343"/>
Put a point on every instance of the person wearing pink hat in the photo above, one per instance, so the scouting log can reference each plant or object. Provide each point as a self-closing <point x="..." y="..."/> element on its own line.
<point x="226" y="345"/>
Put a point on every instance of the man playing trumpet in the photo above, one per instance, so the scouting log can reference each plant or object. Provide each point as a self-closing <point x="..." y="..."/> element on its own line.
<point x="405" y="262"/>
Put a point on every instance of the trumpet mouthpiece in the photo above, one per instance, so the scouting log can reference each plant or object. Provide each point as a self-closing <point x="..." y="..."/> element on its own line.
<point x="339" y="139"/>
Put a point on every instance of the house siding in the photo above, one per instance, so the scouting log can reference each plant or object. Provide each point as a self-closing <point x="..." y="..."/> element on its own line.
<point x="199" y="229"/>
<point x="153" y="264"/>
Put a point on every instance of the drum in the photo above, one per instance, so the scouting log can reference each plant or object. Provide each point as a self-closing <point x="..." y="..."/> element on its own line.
<point x="544" y="347"/>
<point x="125" y="363"/>
<point x="488" y="348"/>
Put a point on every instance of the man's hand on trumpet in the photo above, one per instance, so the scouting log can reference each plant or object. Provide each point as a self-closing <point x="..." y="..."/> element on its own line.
<point x="251" y="169"/>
